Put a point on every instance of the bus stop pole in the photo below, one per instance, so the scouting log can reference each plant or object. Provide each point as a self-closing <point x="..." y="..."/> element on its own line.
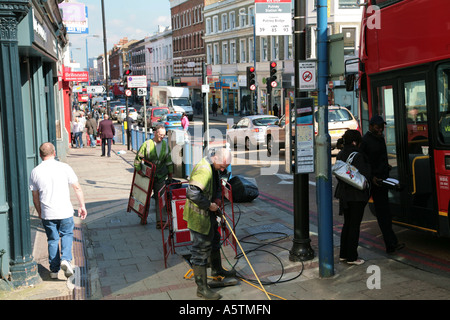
<point x="323" y="150"/>
<point x="301" y="248"/>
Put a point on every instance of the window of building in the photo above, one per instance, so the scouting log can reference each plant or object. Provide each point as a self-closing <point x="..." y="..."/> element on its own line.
<point x="225" y="53"/>
<point x="242" y="50"/>
<point x="224" y="22"/>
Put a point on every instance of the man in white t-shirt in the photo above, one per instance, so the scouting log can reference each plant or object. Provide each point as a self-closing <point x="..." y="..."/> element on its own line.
<point x="49" y="184"/>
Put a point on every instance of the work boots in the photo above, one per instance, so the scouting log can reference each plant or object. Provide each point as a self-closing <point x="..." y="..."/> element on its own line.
<point x="216" y="266"/>
<point x="203" y="289"/>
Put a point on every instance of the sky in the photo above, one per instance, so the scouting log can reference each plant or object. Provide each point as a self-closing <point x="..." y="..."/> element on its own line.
<point x="134" y="19"/>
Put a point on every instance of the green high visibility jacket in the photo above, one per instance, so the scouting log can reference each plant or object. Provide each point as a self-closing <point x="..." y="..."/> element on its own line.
<point x="163" y="162"/>
<point x="202" y="177"/>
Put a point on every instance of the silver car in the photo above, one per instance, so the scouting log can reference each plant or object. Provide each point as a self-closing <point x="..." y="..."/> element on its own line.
<point x="250" y="130"/>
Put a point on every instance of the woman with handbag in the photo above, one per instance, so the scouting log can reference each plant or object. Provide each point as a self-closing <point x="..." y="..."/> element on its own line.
<point x="352" y="201"/>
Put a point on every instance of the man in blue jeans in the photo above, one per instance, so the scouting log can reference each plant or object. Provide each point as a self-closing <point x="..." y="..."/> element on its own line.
<point x="49" y="184"/>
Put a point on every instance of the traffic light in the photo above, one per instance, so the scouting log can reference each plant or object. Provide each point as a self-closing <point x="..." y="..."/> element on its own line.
<point x="273" y="74"/>
<point x="251" y="78"/>
<point x="268" y="86"/>
<point x="126" y="73"/>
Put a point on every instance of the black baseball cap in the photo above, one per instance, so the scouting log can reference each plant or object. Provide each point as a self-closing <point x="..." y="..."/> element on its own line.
<point x="377" y="120"/>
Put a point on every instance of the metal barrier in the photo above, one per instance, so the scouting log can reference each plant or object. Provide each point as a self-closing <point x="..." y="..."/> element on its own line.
<point x="141" y="191"/>
<point x="172" y="197"/>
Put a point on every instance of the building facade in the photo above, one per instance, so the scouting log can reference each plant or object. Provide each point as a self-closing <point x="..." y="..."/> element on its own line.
<point x="188" y="44"/>
<point x="34" y="108"/>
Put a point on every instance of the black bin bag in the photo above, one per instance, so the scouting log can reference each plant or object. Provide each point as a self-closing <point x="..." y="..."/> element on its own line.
<point x="242" y="189"/>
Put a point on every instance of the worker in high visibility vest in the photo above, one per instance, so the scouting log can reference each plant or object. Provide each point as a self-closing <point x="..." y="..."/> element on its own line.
<point x="202" y="204"/>
<point x="157" y="151"/>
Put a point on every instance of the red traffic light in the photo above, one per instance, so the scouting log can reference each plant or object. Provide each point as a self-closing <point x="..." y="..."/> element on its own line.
<point x="251" y="69"/>
<point x="127" y="72"/>
<point x="273" y="64"/>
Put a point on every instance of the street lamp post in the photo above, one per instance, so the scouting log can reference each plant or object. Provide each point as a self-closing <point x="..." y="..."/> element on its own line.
<point x="87" y="65"/>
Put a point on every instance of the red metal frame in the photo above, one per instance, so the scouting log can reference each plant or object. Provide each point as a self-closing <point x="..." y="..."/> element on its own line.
<point x="175" y="233"/>
<point x="133" y="203"/>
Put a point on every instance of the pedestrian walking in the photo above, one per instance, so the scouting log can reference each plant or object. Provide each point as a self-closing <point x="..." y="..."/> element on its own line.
<point x="91" y="126"/>
<point x="106" y="131"/>
<point x="374" y="146"/>
<point x="185" y="122"/>
<point x="49" y="185"/>
<point x="351" y="200"/>
<point x="214" y="108"/>
<point x="78" y="129"/>
<point x="157" y="151"/>
<point x="203" y="200"/>
<point x="275" y="110"/>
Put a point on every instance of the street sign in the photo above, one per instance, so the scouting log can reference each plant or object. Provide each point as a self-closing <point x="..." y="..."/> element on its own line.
<point x="273" y="18"/>
<point x="141" y="92"/>
<point x="128" y="93"/>
<point x="137" y="81"/>
<point x="95" y="89"/>
<point x="304" y="135"/>
<point x="307" y="75"/>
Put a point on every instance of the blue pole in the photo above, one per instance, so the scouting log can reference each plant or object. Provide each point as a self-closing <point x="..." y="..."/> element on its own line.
<point x="323" y="159"/>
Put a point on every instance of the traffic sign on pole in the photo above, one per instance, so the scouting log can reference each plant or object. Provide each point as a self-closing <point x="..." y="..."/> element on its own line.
<point x="273" y="18"/>
<point x="96" y="89"/>
<point x="307" y="75"/>
<point x="137" y="81"/>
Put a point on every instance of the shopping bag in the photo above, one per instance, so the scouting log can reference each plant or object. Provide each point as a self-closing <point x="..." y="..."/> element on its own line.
<point x="346" y="172"/>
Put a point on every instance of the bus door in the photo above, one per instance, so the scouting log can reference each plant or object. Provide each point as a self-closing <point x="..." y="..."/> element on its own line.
<point x="418" y="168"/>
<point x="403" y="104"/>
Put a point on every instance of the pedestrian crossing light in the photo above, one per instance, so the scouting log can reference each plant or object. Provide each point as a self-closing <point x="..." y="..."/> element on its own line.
<point x="251" y="78"/>
<point x="273" y="74"/>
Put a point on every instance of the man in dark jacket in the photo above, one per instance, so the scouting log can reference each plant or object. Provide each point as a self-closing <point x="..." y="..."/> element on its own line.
<point x="106" y="131"/>
<point x="374" y="146"/>
<point x="91" y="126"/>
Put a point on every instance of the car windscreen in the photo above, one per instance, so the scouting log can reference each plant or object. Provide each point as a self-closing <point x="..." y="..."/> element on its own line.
<point x="335" y="115"/>
<point x="264" y="121"/>
<point x="182" y="102"/>
<point x="174" y="118"/>
<point x="160" y="112"/>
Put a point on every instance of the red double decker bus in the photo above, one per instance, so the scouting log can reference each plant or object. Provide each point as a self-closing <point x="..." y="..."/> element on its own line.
<point x="404" y="74"/>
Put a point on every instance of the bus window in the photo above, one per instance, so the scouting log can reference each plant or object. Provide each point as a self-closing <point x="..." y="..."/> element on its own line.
<point x="443" y="96"/>
<point x="416" y="116"/>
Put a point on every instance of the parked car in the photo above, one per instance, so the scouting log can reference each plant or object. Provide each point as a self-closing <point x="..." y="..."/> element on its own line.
<point x="250" y="130"/>
<point x="153" y="116"/>
<point x="132" y="113"/>
<point x="340" y="119"/>
<point x="116" y="111"/>
<point x="171" y="121"/>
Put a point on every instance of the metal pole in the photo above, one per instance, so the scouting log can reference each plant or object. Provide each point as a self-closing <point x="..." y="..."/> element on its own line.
<point x="106" y="59"/>
<point x="301" y="249"/>
<point x="205" y="112"/>
<point x="323" y="149"/>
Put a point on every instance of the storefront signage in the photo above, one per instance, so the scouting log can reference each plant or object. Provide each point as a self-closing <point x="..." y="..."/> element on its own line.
<point x="77" y="76"/>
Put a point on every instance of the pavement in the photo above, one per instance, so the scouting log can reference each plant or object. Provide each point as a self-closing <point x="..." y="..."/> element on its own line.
<point x="118" y="258"/>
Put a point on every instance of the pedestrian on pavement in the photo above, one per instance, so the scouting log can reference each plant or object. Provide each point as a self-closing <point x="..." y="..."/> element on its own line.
<point x="184" y="122"/>
<point x="351" y="200"/>
<point x="78" y="129"/>
<point x="203" y="200"/>
<point x="156" y="151"/>
<point x="275" y="110"/>
<point x="91" y="126"/>
<point x="106" y="131"/>
<point x="374" y="146"/>
<point x="214" y="108"/>
<point x="49" y="184"/>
